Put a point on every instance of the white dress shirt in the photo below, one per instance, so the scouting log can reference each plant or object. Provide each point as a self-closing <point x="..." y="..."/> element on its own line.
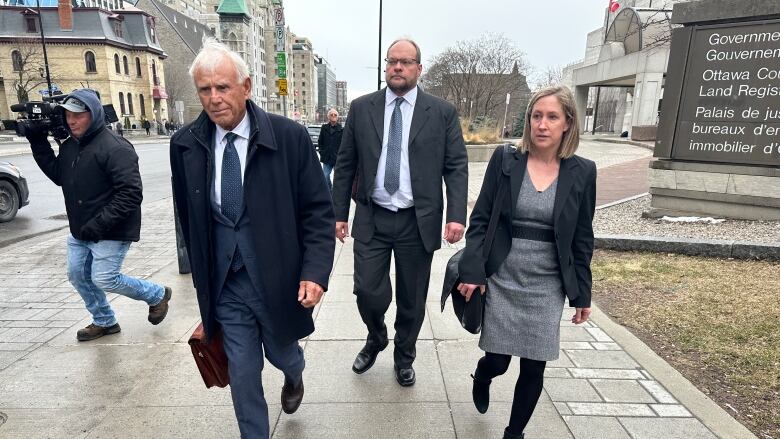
<point x="402" y="198"/>
<point x="241" y="143"/>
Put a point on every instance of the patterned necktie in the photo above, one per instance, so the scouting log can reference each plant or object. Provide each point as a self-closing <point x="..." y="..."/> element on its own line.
<point x="393" y="159"/>
<point x="232" y="190"/>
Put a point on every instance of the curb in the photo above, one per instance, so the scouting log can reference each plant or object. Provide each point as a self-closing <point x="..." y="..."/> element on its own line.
<point x="613" y="140"/>
<point x="689" y="246"/>
<point x="720" y="422"/>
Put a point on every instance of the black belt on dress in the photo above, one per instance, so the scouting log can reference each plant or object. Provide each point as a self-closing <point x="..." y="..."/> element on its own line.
<point x="533" y="233"/>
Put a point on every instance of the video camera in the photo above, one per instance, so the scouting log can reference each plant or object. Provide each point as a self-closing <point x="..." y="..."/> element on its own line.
<point x="46" y="117"/>
<point x="42" y="117"/>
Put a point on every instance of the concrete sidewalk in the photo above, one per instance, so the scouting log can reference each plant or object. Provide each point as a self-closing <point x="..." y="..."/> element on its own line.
<point x="142" y="383"/>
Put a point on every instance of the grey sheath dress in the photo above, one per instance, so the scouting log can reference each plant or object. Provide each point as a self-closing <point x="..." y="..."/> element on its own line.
<point x="525" y="298"/>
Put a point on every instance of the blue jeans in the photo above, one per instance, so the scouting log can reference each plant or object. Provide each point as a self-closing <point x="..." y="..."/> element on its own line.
<point x="93" y="269"/>
<point x="327" y="169"/>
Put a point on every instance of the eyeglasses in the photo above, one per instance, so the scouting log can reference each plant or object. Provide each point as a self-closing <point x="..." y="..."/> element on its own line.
<point x="404" y="62"/>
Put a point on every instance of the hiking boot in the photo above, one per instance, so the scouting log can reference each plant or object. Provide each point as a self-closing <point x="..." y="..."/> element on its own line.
<point x="94" y="331"/>
<point x="158" y="312"/>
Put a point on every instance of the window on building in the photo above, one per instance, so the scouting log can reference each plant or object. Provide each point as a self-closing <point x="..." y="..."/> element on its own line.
<point x="130" y="103"/>
<point x="32" y="24"/>
<point x="303" y="83"/>
<point x="89" y="62"/>
<point x="142" y="104"/>
<point x="233" y="42"/>
<point x="152" y="31"/>
<point x="303" y="74"/>
<point x="304" y="91"/>
<point x="155" y="79"/>
<point x="16" y="60"/>
<point x="118" y="28"/>
<point x="122" y="103"/>
<point x="124" y="62"/>
<point x="138" y="67"/>
<point x="116" y="63"/>
<point x="303" y="65"/>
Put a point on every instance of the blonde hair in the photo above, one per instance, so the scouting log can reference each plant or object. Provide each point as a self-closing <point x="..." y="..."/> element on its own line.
<point x="571" y="138"/>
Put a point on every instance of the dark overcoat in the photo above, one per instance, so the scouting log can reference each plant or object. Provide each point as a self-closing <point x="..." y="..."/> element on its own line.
<point x="575" y="201"/>
<point x="289" y="209"/>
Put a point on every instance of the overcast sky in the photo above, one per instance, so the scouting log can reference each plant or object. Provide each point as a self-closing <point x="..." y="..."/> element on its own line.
<point x="345" y="32"/>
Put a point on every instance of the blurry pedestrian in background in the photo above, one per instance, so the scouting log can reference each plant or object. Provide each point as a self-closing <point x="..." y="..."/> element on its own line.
<point x="328" y="144"/>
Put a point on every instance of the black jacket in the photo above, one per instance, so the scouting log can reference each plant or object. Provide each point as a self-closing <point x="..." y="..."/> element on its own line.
<point x="575" y="202"/>
<point x="289" y="210"/>
<point x="328" y="143"/>
<point x="99" y="177"/>
<point x="436" y="153"/>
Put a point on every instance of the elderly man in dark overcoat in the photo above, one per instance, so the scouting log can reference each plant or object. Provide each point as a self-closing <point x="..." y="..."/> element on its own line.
<point x="258" y="224"/>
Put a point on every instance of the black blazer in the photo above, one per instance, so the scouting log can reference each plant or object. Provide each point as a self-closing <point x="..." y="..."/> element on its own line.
<point x="436" y="152"/>
<point x="575" y="203"/>
<point x="289" y="209"/>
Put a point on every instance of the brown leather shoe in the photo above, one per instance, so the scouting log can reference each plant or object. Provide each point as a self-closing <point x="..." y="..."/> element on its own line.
<point x="94" y="331"/>
<point x="158" y="312"/>
<point x="291" y="397"/>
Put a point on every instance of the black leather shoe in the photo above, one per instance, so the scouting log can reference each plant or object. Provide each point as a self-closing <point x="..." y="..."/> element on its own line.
<point x="291" y="397"/>
<point x="405" y="376"/>
<point x="366" y="358"/>
<point x="508" y="435"/>
<point x="480" y="393"/>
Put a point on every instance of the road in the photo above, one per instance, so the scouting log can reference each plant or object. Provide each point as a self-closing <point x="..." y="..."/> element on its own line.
<point x="46" y="210"/>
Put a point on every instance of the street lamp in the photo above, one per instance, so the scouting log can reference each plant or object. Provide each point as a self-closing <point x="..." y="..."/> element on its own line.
<point x="43" y="43"/>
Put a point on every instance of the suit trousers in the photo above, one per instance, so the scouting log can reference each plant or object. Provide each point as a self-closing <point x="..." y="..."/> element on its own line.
<point x="241" y="314"/>
<point x="395" y="233"/>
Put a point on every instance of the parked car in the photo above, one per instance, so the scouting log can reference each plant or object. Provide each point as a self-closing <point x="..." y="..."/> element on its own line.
<point x="314" y="132"/>
<point x="13" y="191"/>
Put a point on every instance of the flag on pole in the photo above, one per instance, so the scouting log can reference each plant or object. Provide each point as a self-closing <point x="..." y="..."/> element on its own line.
<point x="613" y="6"/>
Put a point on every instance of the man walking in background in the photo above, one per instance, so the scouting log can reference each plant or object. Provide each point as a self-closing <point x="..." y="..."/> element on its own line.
<point x="402" y="143"/>
<point x="328" y="144"/>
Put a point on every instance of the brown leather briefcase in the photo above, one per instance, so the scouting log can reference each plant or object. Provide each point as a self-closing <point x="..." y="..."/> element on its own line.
<point x="210" y="357"/>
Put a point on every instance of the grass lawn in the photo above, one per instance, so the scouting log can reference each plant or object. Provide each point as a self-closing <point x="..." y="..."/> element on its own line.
<point x="716" y="321"/>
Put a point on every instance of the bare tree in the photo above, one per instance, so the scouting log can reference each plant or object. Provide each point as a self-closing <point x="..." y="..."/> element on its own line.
<point x="28" y="66"/>
<point x="552" y="75"/>
<point x="476" y="75"/>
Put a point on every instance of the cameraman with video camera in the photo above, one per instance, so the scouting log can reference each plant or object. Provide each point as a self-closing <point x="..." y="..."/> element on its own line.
<point x="98" y="172"/>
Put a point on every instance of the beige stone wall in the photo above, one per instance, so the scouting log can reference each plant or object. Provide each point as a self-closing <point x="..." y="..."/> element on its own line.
<point x="68" y="70"/>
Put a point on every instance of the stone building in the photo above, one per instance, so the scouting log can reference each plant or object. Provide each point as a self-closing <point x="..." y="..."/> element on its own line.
<point x="342" y="104"/>
<point x="304" y="76"/>
<point x="625" y="61"/>
<point x="182" y="38"/>
<point x="115" y="52"/>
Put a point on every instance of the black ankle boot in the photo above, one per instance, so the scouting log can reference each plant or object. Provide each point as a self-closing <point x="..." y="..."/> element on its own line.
<point x="508" y="435"/>
<point x="480" y="393"/>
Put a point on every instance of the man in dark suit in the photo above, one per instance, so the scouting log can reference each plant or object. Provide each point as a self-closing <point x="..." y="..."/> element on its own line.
<point x="257" y="221"/>
<point x="401" y="142"/>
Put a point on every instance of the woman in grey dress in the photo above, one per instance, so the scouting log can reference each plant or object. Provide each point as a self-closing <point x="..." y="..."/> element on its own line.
<point x="540" y="254"/>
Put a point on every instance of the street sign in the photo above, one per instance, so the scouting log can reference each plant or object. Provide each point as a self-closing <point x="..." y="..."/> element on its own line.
<point x="279" y="16"/>
<point x="281" y="85"/>
<point x="281" y="59"/>
<point x="281" y="71"/>
<point x="279" y="39"/>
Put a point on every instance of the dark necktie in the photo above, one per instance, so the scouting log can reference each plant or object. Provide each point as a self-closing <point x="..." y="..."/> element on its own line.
<point x="393" y="159"/>
<point x="232" y="190"/>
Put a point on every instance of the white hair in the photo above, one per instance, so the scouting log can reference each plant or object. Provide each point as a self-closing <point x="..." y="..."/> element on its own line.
<point x="333" y="110"/>
<point x="214" y="53"/>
